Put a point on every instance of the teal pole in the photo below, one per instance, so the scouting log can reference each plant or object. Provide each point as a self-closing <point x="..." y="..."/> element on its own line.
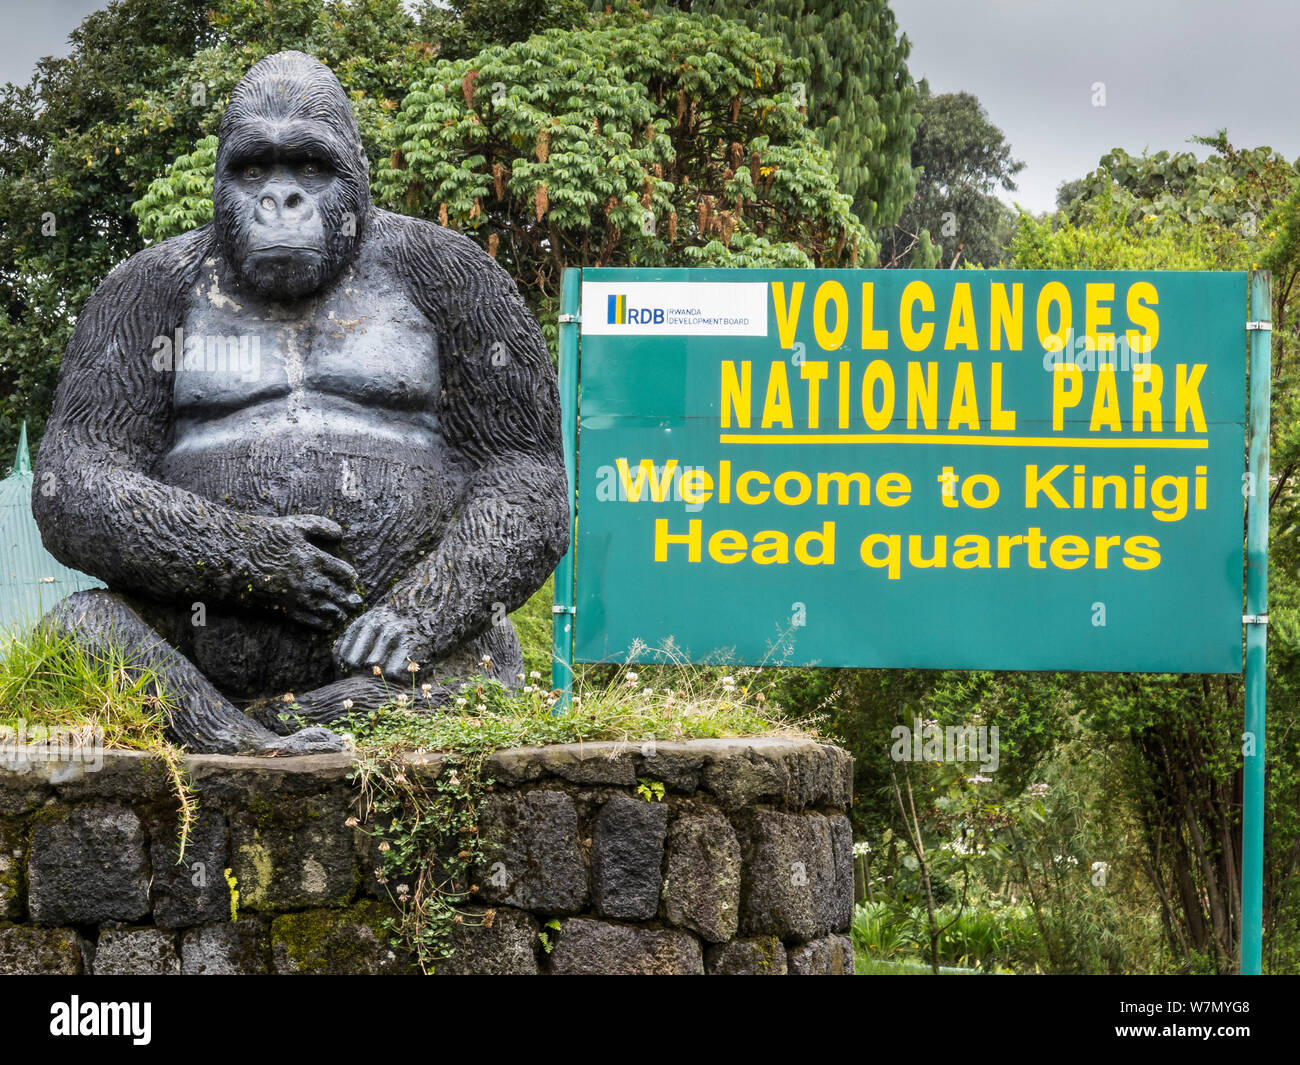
<point x="1260" y="329"/>
<point x="563" y="610"/>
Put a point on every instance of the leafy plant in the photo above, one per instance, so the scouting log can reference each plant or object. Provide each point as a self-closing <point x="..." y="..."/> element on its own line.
<point x="554" y="925"/>
<point x="650" y="790"/>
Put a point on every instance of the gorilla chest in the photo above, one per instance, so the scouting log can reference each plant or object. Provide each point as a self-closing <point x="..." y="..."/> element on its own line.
<point x="355" y="347"/>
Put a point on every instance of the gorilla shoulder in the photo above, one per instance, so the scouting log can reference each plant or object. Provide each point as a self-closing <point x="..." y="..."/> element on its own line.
<point x="430" y="252"/>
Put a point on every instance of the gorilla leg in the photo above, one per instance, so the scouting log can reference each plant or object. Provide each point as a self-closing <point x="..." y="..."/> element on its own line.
<point x="202" y="720"/>
<point x="325" y="705"/>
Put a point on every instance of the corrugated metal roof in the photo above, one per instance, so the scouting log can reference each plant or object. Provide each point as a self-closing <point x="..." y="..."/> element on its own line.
<point x="31" y="579"/>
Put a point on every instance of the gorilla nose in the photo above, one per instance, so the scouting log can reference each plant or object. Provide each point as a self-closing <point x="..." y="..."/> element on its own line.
<point x="276" y="205"/>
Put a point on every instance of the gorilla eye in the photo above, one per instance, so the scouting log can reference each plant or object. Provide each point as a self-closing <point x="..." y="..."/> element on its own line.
<point x="311" y="169"/>
<point x="252" y="173"/>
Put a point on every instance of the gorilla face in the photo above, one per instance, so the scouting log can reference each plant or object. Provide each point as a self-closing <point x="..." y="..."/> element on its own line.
<point x="291" y="195"/>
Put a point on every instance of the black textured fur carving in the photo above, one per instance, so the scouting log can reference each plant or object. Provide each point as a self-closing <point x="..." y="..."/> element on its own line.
<point x="327" y="432"/>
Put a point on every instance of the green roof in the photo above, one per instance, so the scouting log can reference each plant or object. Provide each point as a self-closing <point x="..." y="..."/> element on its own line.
<point x="31" y="579"/>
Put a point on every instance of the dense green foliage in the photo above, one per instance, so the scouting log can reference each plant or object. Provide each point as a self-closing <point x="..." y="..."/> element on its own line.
<point x="636" y="142"/>
<point x="962" y="160"/>
<point x="858" y="92"/>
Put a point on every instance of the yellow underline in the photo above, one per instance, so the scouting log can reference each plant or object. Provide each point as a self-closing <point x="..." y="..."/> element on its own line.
<point x="986" y="441"/>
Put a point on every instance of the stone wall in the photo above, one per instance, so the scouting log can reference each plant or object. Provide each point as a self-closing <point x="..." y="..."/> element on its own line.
<point x="745" y="866"/>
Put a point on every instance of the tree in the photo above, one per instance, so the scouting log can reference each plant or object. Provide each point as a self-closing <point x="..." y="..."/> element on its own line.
<point x="464" y="28"/>
<point x="1182" y="735"/>
<point x="638" y="141"/>
<point x="859" y="94"/>
<point x="962" y="160"/>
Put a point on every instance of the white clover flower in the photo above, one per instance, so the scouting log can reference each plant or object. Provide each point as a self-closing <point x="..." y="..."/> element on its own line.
<point x="347" y="704"/>
<point x="533" y="674"/>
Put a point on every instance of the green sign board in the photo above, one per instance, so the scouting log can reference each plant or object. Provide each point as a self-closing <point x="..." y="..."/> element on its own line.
<point x="953" y="469"/>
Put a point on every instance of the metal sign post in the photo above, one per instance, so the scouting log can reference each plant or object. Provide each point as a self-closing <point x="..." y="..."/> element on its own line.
<point x="562" y="611"/>
<point x="1260" y="328"/>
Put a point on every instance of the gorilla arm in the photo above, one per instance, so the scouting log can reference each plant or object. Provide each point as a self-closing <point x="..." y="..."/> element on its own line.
<point x="500" y="413"/>
<point x="96" y="501"/>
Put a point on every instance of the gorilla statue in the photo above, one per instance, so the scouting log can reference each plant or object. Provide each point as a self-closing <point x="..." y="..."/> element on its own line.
<point x="366" y="497"/>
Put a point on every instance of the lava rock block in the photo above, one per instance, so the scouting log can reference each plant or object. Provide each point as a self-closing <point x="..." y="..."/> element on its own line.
<point x="351" y="942"/>
<point x="627" y="857"/>
<point x="830" y="956"/>
<point x="39" y="951"/>
<point x="837" y="900"/>
<point x="507" y="946"/>
<point x="702" y="888"/>
<point x="225" y="949"/>
<point x="678" y="765"/>
<point x="193" y="891"/>
<point x="746" y="957"/>
<point x="746" y="777"/>
<point x="286" y="856"/>
<point x="590" y="947"/>
<point x="136" y="952"/>
<point x="531" y="855"/>
<point x="87" y="865"/>
<point x="789" y="872"/>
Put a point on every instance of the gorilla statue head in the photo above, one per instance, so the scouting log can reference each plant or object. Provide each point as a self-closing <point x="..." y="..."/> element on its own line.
<point x="291" y="196"/>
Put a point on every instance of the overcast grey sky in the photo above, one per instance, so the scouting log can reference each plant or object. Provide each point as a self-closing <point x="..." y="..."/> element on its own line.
<point x="1171" y="69"/>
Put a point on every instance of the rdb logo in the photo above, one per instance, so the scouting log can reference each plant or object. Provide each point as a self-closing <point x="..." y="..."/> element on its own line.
<point x="621" y="314"/>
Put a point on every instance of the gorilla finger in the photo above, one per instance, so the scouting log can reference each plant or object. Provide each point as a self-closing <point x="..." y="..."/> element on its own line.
<point x="315" y="525"/>
<point x="328" y="568"/>
<point x="305" y="615"/>
<point x="354" y="643"/>
<point x="335" y="568"/>
<point x="399" y="660"/>
<point x="384" y="640"/>
<point x="331" y="613"/>
<point x="320" y="588"/>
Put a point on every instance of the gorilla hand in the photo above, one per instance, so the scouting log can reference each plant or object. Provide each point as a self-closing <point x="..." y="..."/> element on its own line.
<point x="308" y="584"/>
<point x="380" y="637"/>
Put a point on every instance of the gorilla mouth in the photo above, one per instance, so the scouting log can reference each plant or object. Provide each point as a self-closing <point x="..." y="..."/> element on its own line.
<point x="283" y="247"/>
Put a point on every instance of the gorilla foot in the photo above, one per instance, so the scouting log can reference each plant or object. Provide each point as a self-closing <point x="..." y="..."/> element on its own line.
<point x="334" y="703"/>
<point x="307" y="741"/>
